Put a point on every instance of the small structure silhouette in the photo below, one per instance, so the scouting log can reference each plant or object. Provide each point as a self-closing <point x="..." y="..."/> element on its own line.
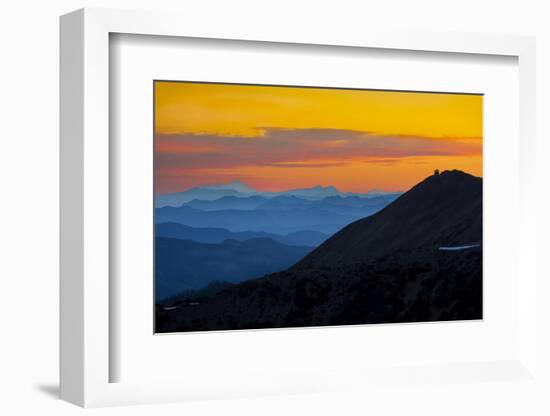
<point x="436" y="172"/>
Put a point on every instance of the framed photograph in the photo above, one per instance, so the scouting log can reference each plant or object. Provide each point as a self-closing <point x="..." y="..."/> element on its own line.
<point x="269" y="212"/>
<point x="292" y="206"/>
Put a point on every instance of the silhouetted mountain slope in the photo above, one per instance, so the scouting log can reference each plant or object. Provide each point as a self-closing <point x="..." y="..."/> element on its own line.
<point x="218" y="235"/>
<point x="181" y="264"/>
<point x="443" y="209"/>
<point x="305" y="238"/>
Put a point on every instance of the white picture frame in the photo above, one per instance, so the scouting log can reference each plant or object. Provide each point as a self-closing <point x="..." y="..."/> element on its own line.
<point x="85" y="204"/>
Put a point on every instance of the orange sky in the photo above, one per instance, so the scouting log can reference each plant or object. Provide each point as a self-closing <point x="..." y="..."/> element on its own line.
<point x="277" y="138"/>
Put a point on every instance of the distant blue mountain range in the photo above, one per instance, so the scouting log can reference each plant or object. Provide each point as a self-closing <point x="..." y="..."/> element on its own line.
<point x="219" y="235"/>
<point x="182" y="265"/>
<point x="241" y="190"/>
<point x="279" y="215"/>
<point x="231" y="232"/>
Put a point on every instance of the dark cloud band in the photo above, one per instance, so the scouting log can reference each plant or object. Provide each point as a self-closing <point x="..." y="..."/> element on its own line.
<point x="300" y="148"/>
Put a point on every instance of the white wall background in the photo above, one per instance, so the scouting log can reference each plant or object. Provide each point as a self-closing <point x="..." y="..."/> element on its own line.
<point x="29" y="114"/>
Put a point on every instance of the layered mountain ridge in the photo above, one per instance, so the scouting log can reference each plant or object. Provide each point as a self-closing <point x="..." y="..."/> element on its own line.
<point x="239" y="189"/>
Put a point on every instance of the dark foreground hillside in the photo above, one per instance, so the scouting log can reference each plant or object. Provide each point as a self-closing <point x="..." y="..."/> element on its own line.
<point x="382" y="269"/>
<point x="412" y="286"/>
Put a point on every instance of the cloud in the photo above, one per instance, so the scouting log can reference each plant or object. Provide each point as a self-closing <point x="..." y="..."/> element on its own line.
<point x="306" y="164"/>
<point x="289" y="148"/>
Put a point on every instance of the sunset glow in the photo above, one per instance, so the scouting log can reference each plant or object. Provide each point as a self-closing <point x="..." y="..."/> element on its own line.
<point x="278" y="138"/>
